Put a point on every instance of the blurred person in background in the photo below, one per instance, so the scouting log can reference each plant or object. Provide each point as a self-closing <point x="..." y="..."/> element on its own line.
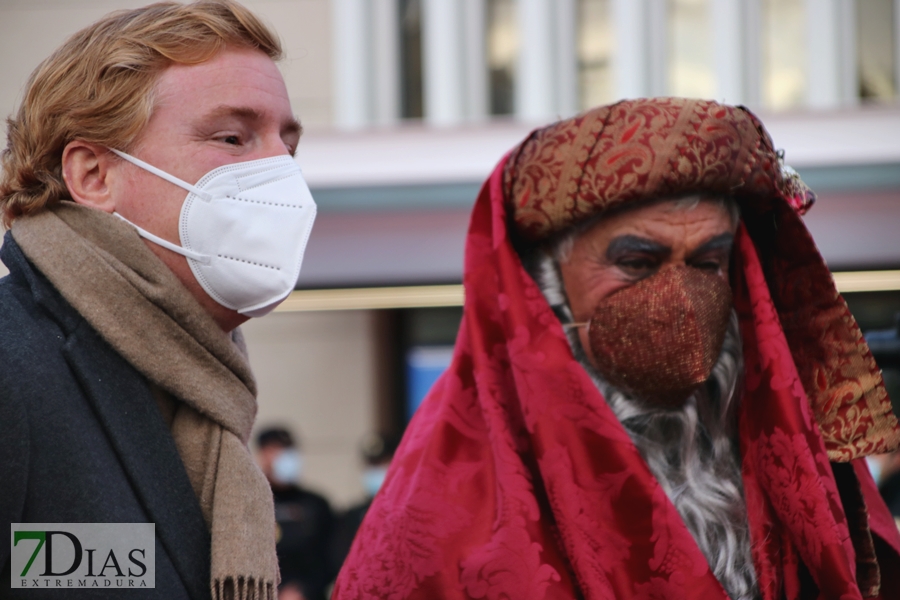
<point x="126" y="395"/>
<point x="377" y="452"/>
<point x="656" y="391"/>
<point x="304" y="519"/>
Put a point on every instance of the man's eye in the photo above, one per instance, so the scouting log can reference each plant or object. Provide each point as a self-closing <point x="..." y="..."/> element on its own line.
<point x="707" y="265"/>
<point x="232" y="140"/>
<point x="637" y="263"/>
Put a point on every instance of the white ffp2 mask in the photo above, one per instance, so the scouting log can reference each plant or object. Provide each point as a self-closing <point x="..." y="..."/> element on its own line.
<point x="243" y="229"/>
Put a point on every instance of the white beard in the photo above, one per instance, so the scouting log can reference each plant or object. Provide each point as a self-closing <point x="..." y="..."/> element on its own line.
<point x="692" y="451"/>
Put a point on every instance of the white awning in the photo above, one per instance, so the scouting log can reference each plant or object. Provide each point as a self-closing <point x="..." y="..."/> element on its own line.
<point x="417" y="154"/>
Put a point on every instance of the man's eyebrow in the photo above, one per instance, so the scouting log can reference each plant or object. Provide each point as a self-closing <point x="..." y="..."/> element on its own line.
<point x="241" y="112"/>
<point x="723" y="241"/>
<point x="633" y="243"/>
<point x="291" y="126"/>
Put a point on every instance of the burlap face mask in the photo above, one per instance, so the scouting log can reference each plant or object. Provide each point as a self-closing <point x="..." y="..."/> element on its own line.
<point x="660" y="338"/>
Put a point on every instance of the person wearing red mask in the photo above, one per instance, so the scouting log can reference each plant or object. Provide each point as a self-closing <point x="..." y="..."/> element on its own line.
<point x="656" y="391"/>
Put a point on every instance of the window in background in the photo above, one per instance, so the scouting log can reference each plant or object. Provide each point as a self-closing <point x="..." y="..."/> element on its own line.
<point x="424" y="365"/>
<point x="595" y="51"/>
<point x="783" y="54"/>
<point x="411" y="97"/>
<point x="690" y="66"/>
<point x="877" y="41"/>
<point x="427" y="337"/>
<point x="502" y="53"/>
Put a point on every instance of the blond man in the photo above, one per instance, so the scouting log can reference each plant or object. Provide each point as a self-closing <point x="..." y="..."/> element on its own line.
<point x="153" y="207"/>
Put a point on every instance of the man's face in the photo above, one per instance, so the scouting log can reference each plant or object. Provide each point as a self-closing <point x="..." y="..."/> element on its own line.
<point x="624" y="248"/>
<point x="231" y="108"/>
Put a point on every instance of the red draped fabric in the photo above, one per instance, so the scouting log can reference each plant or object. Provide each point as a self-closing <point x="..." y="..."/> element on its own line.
<point x="515" y="480"/>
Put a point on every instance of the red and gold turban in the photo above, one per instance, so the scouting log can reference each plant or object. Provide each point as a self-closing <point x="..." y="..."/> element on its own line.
<point x="640" y="149"/>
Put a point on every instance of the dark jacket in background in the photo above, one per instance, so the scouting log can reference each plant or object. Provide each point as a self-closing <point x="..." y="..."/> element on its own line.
<point x="890" y="491"/>
<point x="84" y="442"/>
<point x="305" y="522"/>
<point x="346" y="526"/>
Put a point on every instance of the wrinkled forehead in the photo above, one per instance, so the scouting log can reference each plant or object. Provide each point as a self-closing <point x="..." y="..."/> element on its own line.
<point x="668" y="205"/>
<point x="670" y="217"/>
<point x="617" y="156"/>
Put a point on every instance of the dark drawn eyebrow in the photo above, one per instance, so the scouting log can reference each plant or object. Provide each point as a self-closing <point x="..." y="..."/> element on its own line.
<point x="625" y="244"/>
<point x="723" y="241"/>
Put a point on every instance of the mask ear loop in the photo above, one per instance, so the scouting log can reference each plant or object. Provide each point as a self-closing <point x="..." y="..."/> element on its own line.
<point x="162" y="174"/>
<point x="576" y="325"/>
<point x="201" y="258"/>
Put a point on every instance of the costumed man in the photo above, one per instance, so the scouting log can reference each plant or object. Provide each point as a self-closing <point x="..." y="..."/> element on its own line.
<point x="304" y="518"/>
<point x="656" y="391"/>
<point x="154" y="207"/>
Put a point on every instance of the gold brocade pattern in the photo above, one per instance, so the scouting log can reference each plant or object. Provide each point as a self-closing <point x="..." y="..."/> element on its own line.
<point x="839" y="374"/>
<point x="633" y="150"/>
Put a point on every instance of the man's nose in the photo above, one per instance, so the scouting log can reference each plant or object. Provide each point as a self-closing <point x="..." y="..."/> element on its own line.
<point x="273" y="145"/>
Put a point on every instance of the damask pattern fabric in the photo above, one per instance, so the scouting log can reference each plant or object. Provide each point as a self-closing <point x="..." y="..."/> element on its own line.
<point x="516" y="480"/>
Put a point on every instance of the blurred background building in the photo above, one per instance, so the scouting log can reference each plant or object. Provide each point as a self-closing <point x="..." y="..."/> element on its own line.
<point x="407" y="106"/>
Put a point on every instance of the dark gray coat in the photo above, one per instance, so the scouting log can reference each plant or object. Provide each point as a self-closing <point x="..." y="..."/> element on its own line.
<point x="82" y="440"/>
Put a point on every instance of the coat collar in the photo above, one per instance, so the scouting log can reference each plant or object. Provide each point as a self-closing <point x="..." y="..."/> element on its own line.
<point x="126" y="409"/>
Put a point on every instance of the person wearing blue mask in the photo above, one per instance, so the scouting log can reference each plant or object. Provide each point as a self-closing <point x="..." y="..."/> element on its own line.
<point x="304" y="519"/>
<point x="154" y="206"/>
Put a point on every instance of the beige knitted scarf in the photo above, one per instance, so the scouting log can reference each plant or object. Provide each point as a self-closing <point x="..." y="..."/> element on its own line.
<point x="105" y="271"/>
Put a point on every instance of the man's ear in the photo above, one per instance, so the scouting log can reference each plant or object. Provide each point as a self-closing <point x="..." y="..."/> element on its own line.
<point x="86" y="171"/>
